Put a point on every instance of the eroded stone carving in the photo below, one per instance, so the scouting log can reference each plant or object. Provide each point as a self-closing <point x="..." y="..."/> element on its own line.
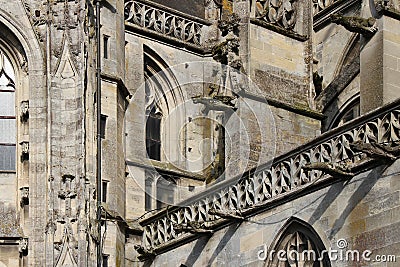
<point x="212" y="9"/>
<point x="24" y="196"/>
<point x="24" y="151"/>
<point x="157" y="20"/>
<point x="23" y="246"/>
<point x="24" y="109"/>
<point x="356" y="24"/>
<point x="282" y="13"/>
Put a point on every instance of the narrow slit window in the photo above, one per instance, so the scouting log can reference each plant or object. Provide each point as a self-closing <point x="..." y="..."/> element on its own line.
<point x="104" y="189"/>
<point x="105" y="46"/>
<point x="153" y="136"/>
<point x="103" y="124"/>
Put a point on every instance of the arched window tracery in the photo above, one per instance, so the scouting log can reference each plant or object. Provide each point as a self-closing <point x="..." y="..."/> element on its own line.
<point x="7" y="115"/>
<point x="297" y="244"/>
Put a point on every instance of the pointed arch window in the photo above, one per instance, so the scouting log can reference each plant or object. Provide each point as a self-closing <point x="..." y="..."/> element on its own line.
<point x="350" y="111"/>
<point x="7" y="115"/>
<point x="300" y="245"/>
<point x="163" y="107"/>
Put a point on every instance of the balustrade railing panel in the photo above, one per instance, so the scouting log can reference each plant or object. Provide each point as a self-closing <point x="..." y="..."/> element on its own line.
<point x="162" y="22"/>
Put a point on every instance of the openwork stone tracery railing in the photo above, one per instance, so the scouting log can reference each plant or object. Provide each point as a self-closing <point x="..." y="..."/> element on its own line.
<point x="286" y="176"/>
<point x="162" y="22"/>
<point x="282" y="13"/>
<point x="319" y="5"/>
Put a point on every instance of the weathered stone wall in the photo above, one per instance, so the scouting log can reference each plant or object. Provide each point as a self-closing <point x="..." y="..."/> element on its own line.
<point x="380" y="65"/>
<point x="278" y="65"/>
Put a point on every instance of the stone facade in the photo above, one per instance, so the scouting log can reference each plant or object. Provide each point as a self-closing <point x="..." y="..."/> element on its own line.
<point x="198" y="132"/>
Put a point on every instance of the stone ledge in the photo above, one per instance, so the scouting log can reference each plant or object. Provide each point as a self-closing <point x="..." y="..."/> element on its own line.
<point x="279" y="30"/>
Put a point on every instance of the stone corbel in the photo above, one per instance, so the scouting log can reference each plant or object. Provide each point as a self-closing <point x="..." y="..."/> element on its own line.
<point x="23" y="246"/>
<point x="24" y="109"/>
<point x="24" y="150"/>
<point x="24" y="196"/>
<point x="356" y="24"/>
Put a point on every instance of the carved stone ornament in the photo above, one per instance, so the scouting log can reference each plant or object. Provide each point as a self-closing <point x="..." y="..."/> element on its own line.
<point x="356" y="24"/>
<point x="282" y="13"/>
<point x="24" y="196"/>
<point x="23" y="246"/>
<point x="24" y="109"/>
<point x="24" y="151"/>
<point x="162" y="22"/>
<point x="212" y="9"/>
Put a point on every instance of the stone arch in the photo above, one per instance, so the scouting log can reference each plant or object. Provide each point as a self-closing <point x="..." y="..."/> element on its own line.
<point x="350" y="52"/>
<point x="351" y="105"/>
<point x="297" y="235"/>
<point x="165" y="98"/>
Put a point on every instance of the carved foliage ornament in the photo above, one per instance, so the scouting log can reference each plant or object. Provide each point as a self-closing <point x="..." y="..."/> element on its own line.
<point x="162" y="22"/>
<point x="282" y="13"/>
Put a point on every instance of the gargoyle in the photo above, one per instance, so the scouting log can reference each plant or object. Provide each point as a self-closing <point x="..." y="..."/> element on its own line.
<point x="192" y="227"/>
<point x="144" y="253"/>
<point x="329" y="168"/>
<point x="227" y="214"/>
<point x="375" y="150"/>
<point x="356" y="24"/>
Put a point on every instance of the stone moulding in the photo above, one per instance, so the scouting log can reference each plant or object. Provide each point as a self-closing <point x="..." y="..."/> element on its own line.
<point x="288" y="177"/>
<point x="323" y="9"/>
<point x="153" y="18"/>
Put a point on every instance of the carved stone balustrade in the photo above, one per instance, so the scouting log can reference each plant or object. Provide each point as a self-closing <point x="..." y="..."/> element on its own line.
<point x="319" y="5"/>
<point x="334" y="156"/>
<point x="282" y="13"/>
<point x="152" y="18"/>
